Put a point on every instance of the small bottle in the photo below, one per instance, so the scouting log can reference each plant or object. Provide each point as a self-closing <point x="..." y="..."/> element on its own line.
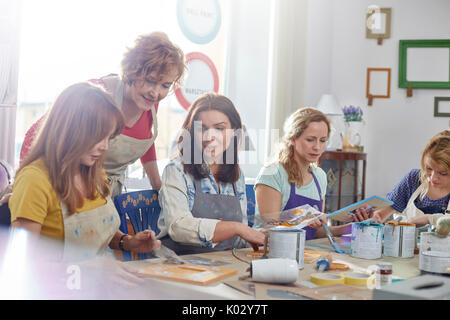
<point x="383" y="275"/>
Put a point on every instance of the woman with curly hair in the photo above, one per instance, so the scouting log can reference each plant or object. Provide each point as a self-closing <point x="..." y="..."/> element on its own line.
<point x="150" y="70"/>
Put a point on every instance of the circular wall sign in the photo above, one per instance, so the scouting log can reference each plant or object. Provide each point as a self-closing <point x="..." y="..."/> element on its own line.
<point x="199" y="20"/>
<point x="201" y="77"/>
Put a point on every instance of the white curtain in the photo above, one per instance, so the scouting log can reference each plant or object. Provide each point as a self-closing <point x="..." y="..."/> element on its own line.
<point x="9" y="73"/>
<point x="287" y="65"/>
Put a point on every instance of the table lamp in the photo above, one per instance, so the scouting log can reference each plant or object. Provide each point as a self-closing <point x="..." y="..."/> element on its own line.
<point x="329" y="106"/>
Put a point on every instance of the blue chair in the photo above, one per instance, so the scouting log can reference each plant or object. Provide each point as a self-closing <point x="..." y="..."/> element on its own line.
<point x="142" y="208"/>
<point x="251" y="202"/>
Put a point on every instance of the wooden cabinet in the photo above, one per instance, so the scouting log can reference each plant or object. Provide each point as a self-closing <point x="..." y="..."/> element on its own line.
<point x="346" y="177"/>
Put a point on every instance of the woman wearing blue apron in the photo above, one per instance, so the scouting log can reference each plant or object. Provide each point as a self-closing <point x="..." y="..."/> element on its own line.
<point x="202" y="196"/>
<point x="294" y="179"/>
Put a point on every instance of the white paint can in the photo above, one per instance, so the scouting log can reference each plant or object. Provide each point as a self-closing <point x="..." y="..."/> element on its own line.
<point x="434" y="253"/>
<point x="399" y="240"/>
<point x="276" y="270"/>
<point x="289" y="243"/>
<point x="366" y="240"/>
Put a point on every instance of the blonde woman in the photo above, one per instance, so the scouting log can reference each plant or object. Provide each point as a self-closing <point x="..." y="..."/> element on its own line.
<point x="150" y="70"/>
<point x="294" y="178"/>
<point x="61" y="190"/>
<point x="422" y="196"/>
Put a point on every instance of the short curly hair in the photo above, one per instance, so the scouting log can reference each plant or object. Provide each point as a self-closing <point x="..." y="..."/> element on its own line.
<point x="152" y="52"/>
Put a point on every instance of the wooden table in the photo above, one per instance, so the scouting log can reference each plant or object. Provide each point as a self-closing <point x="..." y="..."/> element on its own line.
<point x="402" y="268"/>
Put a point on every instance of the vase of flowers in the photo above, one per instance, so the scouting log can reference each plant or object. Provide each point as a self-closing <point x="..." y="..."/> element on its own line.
<point x="351" y="140"/>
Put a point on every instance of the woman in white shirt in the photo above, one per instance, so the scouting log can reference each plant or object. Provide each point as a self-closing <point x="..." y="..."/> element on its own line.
<point x="202" y="196"/>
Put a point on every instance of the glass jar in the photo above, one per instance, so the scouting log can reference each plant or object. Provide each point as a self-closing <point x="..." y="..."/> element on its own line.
<point x="383" y="274"/>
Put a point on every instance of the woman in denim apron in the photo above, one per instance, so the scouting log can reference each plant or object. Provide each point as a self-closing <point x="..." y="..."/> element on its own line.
<point x="203" y="190"/>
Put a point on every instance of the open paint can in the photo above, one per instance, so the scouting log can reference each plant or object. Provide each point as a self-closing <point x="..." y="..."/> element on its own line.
<point x="288" y="243"/>
<point x="366" y="240"/>
<point x="434" y="253"/>
<point x="399" y="239"/>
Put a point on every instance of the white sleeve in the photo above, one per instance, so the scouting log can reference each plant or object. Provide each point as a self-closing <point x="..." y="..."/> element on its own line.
<point x="176" y="217"/>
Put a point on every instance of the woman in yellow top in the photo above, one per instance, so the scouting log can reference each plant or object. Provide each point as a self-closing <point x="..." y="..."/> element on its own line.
<point x="61" y="190"/>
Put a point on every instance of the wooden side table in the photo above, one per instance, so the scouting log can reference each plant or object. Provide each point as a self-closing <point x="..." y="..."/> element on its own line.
<point x="340" y="156"/>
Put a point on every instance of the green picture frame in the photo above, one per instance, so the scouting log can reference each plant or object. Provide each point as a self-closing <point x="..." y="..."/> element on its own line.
<point x="437" y="113"/>
<point x="403" y="47"/>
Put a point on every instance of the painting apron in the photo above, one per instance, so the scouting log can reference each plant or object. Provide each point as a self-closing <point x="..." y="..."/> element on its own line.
<point x="124" y="150"/>
<point x="411" y="211"/>
<point x="210" y="206"/>
<point x="296" y="200"/>
<point x="87" y="234"/>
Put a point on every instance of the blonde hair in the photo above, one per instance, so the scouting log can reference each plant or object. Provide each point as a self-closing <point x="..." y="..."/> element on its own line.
<point x="82" y="115"/>
<point x="438" y="149"/>
<point x="152" y="52"/>
<point x="293" y="128"/>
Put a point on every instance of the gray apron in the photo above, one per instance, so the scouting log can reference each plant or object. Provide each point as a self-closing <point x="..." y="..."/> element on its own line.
<point x="124" y="150"/>
<point x="210" y="206"/>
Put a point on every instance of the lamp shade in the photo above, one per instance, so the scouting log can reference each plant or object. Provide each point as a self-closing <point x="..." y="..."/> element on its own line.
<point x="328" y="105"/>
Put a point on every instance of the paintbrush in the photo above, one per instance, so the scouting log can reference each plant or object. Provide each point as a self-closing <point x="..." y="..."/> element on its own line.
<point x="169" y="255"/>
<point x="330" y="238"/>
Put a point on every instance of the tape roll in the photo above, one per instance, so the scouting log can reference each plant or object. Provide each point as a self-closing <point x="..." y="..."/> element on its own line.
<point x="356" y="279"/>
<point x="327" y="279"/>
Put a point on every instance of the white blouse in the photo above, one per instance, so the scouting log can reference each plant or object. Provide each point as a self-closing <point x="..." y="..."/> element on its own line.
<point x="176" y="198"/>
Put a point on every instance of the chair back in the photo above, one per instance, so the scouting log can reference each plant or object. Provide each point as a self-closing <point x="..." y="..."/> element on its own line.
<point x="142" y="209"/>
<point x="251" y="202"/>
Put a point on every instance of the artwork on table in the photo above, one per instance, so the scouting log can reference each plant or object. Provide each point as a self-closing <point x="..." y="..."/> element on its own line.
<point x="378" y="23"/>
<point x="378" y="83"/>
<point x="424" y="64"/>
<point x="442" y="106"/>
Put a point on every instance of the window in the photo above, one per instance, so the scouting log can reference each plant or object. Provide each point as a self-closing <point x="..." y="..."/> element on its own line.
<point x="64" y="42"/>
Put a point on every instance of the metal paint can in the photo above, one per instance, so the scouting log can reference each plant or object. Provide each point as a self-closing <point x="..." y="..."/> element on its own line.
<point x="366" y="240"/>
<point x="289" y="243"/>
<point x="399" y="240"/>
<point x="383" y="275"/>
<point x="434" y="253"/>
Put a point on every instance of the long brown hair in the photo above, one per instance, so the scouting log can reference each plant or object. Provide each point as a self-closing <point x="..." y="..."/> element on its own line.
<point x="228" y="172"/>
<point x="294" y="126"/>
<point x="81" y="116"/>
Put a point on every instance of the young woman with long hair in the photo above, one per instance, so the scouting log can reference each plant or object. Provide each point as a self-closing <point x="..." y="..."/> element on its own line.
<point x="61" y="189"/>
<point x="294" y="179"/>
<point x="202" y="196"/>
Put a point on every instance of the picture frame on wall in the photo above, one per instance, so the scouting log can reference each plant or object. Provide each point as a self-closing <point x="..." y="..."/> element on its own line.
<point x="378" y="84"/>
<point x="442" y="106"/>
<point x="378" y="23"/>
<point x="424" y="64"/>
